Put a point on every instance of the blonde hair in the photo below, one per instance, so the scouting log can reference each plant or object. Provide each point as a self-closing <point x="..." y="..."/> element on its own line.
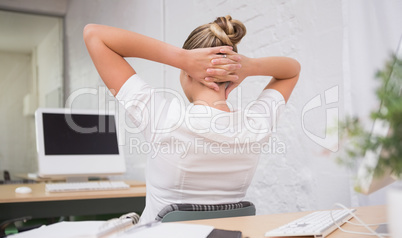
<point x="223" y="31"/>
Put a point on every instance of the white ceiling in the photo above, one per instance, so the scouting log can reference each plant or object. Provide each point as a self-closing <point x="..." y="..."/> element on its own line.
<point x="20" y="32"/>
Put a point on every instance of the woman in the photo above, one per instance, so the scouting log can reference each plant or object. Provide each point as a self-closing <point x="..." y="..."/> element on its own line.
<point x="207" y="152"/>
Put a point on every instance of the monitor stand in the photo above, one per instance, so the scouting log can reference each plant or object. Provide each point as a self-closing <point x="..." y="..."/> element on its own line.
<point x="382" y="229"/>
<point x="76" y="179"/>
<point x="84" y="179"/>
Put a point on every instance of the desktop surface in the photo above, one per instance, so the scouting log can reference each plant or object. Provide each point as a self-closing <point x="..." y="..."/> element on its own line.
<point x="41" y="204"/>
<point x="257" y="226"/>
<point x="38" y="194"/>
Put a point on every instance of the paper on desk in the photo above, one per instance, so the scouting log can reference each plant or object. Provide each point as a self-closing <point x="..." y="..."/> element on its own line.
<point x="170" y="230"/>
<point x="64" y="230"/>
<point x="89" y="229"/>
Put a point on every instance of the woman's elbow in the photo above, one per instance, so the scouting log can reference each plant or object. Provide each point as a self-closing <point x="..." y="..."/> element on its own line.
<point x="89" y="31"/>
<point x="296" y="66"/>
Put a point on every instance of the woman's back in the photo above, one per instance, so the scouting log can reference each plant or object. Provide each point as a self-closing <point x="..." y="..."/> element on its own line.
<point x="203" y="153"/>
<point x="198" y="154"/>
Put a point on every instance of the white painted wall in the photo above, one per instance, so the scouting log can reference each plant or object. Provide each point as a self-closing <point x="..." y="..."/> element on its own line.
<point x="49" y="60"/>
<point x="306" y="177"/>
<point x="17" y="138"/>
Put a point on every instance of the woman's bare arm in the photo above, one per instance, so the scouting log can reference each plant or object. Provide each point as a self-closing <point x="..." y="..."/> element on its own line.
<point x="108" y="46"/>
<point x="284" y="71"/>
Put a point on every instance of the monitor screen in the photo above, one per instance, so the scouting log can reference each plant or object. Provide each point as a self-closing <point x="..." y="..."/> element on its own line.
<point x="78" y="143"/>
<point x="81" y="134"/>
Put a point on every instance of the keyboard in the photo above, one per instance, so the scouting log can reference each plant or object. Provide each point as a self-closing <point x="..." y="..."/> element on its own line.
<point x="85" y="186"/>
<point x="316" y="224"/>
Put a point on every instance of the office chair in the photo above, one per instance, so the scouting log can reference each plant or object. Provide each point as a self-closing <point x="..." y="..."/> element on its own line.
<point x="6" y="223"/>
<point x="186" y="211"/>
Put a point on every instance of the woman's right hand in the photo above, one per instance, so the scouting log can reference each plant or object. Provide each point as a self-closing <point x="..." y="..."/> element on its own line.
<point x="212" y="65"/>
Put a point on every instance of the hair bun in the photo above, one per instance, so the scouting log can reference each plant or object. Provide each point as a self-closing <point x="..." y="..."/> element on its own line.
<point x="223" y="31"/>
<point x="229" y="31"/>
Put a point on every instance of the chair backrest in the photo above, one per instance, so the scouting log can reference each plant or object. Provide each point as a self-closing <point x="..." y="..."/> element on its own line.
<point x="185" y="212"/>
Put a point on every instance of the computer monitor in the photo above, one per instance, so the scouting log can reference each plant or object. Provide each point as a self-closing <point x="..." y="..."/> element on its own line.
<point x="367" y="182"/>
<point x="77" y="143"/>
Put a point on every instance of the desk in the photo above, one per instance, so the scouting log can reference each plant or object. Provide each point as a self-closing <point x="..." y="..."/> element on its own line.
<point x="256" y="226"/>
<point x="40" y="204"/>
